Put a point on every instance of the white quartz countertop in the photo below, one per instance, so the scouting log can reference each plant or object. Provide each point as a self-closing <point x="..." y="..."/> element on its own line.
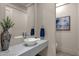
<point x="22" y="50"/>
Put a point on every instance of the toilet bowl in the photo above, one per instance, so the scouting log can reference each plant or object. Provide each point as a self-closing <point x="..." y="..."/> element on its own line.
<point x="57" y="48"/>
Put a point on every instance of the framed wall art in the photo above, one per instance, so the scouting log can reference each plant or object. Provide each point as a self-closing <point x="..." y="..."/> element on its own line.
<point x="63" y="23"/>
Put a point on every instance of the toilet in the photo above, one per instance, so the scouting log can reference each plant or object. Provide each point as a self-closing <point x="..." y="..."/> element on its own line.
<point x="56" y="45"/>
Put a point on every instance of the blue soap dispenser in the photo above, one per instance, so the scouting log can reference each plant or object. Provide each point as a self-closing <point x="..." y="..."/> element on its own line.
<point x="32" y="33"/>
<point x="42" y="32"/>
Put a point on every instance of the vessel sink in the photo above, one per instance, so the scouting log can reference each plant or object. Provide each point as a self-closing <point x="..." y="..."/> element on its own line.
<point x="30" y="41"/>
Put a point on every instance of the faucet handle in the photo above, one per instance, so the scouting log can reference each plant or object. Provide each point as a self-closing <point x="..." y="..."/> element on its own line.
<point x="26" y="34"/>
<point x="23" y="34"/>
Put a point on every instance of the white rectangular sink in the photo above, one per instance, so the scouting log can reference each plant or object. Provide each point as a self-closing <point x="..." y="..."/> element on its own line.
<point x="30" y="41"/>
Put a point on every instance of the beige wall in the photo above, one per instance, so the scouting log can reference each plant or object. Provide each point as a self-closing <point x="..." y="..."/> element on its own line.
<point x="67" y="40"/>
<point x="30" y="18"/>
<point x="78" y="28"/>
<point x="46" y="17"/>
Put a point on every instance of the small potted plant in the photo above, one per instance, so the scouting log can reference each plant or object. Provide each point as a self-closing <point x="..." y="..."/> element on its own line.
<point x="6" y="24"/>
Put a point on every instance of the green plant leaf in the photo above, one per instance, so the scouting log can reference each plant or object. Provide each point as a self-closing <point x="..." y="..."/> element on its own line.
<point x="6" y="23"/>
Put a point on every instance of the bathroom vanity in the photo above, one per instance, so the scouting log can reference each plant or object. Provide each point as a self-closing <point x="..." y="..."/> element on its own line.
<point x="23" y="50"/>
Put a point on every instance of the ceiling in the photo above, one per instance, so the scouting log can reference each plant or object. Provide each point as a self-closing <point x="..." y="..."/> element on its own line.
<point x="24" y="5"/>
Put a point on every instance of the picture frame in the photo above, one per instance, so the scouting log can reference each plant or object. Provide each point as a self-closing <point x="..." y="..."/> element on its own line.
<point x="63" y="23"/>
